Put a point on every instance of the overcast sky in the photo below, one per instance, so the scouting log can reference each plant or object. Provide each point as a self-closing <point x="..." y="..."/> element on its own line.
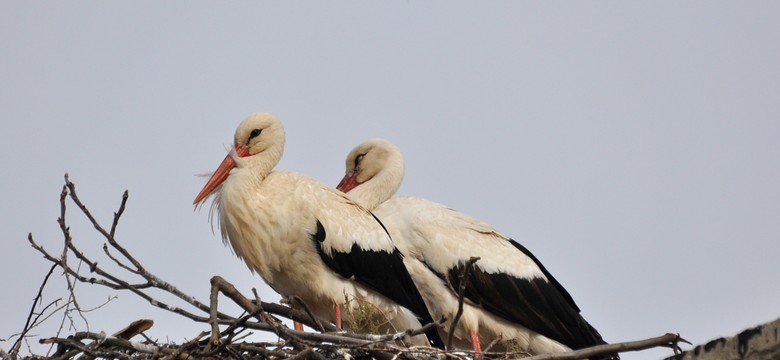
<point x="632" y="146"/>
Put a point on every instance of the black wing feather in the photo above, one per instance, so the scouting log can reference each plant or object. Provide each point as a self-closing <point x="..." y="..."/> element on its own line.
<point x="546" y="273"/>
<point x="543" y="306"/>
<point x="380" y="271"/>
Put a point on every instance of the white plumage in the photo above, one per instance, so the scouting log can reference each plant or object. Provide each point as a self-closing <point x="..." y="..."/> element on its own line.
<point x="307" y="239"/>
<point x="510" y="294"/>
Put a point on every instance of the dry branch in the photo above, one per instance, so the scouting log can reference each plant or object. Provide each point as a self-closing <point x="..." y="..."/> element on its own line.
<point x="27" y="325"/>
<point x="668" y="340"/>
<point x="463" y="276"/>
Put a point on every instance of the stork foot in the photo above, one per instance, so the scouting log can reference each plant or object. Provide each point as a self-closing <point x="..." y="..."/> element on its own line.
<point x="338" y="316"/>
<point x="476" y="345"/>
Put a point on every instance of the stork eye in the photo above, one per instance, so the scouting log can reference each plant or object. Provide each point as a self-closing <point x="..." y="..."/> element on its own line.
<point x="255" y="133"/>
<point x="358" y="159"/>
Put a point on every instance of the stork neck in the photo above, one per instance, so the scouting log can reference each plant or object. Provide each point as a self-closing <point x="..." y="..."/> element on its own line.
<point x="261" y="164"/>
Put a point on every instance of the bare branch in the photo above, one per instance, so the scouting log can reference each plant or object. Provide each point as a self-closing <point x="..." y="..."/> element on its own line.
<point x="186" y="346"/>
<point x="104" y="346"/>
<point x="213" y="317"/>
<point x="27" y="325"/>
<point x="118" y="214"/>
<point x="493" y="343"/>
<point x="463" y="276"/>
<point x="668" y="340"/>
<point x="305" y="307"/>
<point x="117" y="262"/>
<point x="67" y="239"/>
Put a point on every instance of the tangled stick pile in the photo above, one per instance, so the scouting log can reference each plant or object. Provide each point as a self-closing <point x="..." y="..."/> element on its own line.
<point x="223" y="335"/>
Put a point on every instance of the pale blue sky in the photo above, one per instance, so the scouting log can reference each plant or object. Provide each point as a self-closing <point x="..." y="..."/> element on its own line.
<point x="632" y="146"/>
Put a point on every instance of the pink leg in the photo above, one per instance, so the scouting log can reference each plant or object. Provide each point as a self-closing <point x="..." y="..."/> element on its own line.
<point x="338" y="316"/>
<point x="298" y="326"/>
<point x="475" y="343"/>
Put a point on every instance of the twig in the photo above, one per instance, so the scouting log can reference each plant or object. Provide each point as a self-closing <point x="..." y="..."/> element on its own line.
<point x="18" y="343"/>
<point x="117" y="262"/>
<point x="118" y="214"/>
<point x="77" y="346"/>
<point x="298" y="315"/>
<point x="43" y="311"/>
<point x="668" y="340"/>
<point x="463" y="276"/>
<point x="305" y="307"/>
<point x="231" y="292"/>
<point x="102" y="342"/>
<point x="215" y="339"/>
<point x="493" y="343"/>
<point x="114" y="282"/>
<point x="187" y="345"/>
<point x="260" y="350"/>
<point x="68" y="241"/>
<point x="110" y="280"/>
<point x="72" y="187"/>
<point x="153" y="280"/>
<point x="213" y="298"/>
<point x="302" y="355"/>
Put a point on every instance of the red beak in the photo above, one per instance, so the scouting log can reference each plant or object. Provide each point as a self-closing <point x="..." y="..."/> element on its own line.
<point x="347" y="183"/>
<point x="222" y="173"/>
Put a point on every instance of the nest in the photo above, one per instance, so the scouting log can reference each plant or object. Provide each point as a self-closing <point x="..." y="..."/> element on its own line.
<point x="225" y="336"/>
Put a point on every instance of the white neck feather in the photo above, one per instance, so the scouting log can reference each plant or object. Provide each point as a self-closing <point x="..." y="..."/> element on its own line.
<point x="261" y="164"/>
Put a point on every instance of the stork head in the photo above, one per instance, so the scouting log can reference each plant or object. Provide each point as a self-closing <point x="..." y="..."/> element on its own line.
<point x="259" y="133"/>
<point x="258" y="143"/>
<point x="377" y="161"/>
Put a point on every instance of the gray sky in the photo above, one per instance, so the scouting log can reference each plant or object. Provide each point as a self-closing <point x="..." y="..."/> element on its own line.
<point x="632" y="146"/>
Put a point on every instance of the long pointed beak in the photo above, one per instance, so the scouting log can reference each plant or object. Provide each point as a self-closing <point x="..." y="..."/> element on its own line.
<point x="347" y="183"/>
<point x="222" y="173"/>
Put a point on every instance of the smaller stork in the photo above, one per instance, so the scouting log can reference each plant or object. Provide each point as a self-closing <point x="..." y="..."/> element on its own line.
<point x="509" y="293"/>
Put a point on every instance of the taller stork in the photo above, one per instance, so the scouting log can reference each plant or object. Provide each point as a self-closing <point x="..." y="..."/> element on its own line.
<point x="307" y="239"/>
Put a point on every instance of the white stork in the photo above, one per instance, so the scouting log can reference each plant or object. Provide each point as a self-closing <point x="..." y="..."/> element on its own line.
<point x="509" y="293"/>
<point x="307" y="239"/>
